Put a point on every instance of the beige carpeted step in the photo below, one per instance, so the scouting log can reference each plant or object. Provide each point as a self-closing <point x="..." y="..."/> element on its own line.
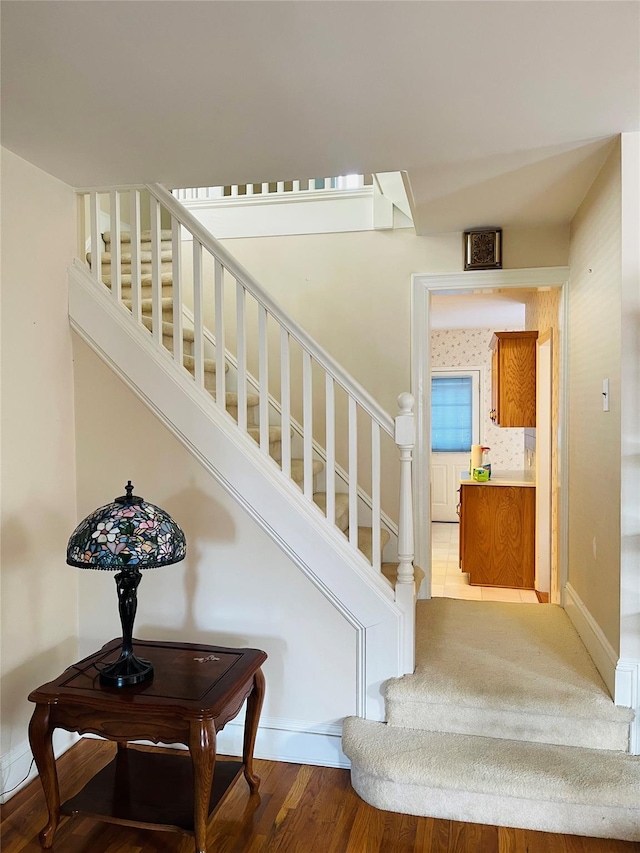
<point x="126" y="256"/>
<point x="275" y="440"/>
<point x="514" y="671"/>
<point x="297" y="470"/>
<point x="390" y="571"/>
<point x="146" y="303"/>
<point x="568" y="790"/>
<point x="167" y="329"/>
<point x="146" y="280"/>
<point x="145" y="236"/>
<point x="342" y="507"/>
<point x="365" y="541"/>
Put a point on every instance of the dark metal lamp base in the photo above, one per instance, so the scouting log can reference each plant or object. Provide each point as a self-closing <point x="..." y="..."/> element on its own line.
<point x="126" y="671"/>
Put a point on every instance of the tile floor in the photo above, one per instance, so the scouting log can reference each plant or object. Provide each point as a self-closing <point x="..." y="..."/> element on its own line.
<point x="449" y="582"/>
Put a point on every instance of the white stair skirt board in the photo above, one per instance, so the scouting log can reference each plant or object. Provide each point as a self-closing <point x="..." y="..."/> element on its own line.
<point x="492" y="781"/>
<point x="502" y="670"/>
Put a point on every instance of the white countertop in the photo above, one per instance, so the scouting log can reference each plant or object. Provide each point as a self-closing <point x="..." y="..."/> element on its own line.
<point x="501" y="478"/>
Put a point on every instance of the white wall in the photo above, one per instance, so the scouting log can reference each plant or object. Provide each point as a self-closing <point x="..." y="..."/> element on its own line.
<point x="236" y="587"/>
<point x="594" y="329"/>
<point x="39" y="591"/>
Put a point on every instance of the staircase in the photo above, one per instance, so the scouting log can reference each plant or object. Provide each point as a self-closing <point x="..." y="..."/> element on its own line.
<point x="249" y="393"/>
<point x="506" y="721"/>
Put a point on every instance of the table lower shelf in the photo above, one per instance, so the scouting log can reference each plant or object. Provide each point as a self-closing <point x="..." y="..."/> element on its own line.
<point x="149" y="790"/>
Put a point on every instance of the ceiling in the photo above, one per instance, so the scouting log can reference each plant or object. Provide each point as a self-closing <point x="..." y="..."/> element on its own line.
<point x="500" y="112"/>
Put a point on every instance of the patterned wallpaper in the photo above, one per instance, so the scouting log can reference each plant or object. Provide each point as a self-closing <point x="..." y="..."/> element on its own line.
<point x="470" y="348"/>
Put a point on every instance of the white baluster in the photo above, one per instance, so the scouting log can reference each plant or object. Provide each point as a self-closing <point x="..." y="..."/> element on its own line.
<point x="242" y="355"/>
<point x="311" y="185"/>
<point x="116" y="269"/>
<point x="234" y="190"/>
<point x="296" y="186"/>
<point x="264" y="379"/>
<point x="136" y="299"/>
<point x="265" y="189"/>
<point x="280" y="187"/>
<point x="375" y="494"/>
<point x="327" y="183"/>
<point x="285" y="401"/>
<point x="96" y="238"/>
<point x="307" y="424"/>
<point x="353" y="472"/>
<point x="176" y="280"/>
<point x="198" y="318"/>
<point x="156" y="272"/>
<point x="330" y="446"/>
<point x="220" y="345"/>
<point x="249" y="189"/>
<point x="405" y="439"/>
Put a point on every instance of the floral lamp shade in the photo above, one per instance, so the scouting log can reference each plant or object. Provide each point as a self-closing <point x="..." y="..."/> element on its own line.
<point x="127" y="532"/>
<point x="126" y="536"/>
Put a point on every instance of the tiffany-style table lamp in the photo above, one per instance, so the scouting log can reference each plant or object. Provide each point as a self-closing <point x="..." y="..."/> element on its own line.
<point x="126" y="536"/>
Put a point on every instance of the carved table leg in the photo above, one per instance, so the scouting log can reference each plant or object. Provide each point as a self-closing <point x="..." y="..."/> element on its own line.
<point x="202" y="745"/>
<point x="254" y="706"/>
<point x="40" y="734"/>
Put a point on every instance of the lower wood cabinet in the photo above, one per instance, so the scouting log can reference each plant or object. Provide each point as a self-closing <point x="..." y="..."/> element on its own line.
<point x="497" y="535"/>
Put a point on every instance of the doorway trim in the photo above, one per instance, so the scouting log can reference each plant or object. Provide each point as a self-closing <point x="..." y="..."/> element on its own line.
<point x="422" y="286"/>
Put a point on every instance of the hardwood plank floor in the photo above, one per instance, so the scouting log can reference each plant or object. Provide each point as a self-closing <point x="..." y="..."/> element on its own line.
<point x="300" y="809"/>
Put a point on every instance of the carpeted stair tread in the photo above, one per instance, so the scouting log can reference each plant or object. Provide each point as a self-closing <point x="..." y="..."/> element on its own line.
<point x="167" y="329"/>
<point x="146" y="305"/>
<point x="342" y="507"/>
<point x="297" y="469"/>
<point x="505" y="670"/>
<point x="253" y="400"/>
<point x="189" y="362"/>
<point x="145" y="236"/>
<point x="275" y="433"/>
<point x="365" y="541"/>
<point x="390" y="571"/>
<point x="494" y="781"/>
<point x="166" y="279"/>
<point x="146" y="256"/>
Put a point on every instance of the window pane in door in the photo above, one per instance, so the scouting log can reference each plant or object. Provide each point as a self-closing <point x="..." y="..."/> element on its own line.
<point x="451" y="413"/>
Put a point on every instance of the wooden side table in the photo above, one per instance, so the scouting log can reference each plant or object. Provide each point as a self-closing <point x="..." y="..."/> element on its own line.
<point x="195" y="691"/>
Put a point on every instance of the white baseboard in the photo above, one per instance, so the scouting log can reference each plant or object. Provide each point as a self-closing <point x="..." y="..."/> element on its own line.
<point x="282" y="739"/>
<point x="289" y="740"/>
<point x="603" y="654"/>
<point x="16" y="768"/>
<point x="628" y="694"/>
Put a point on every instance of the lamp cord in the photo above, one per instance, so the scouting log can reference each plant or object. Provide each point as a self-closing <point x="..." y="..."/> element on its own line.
<point x="20" y="782"/>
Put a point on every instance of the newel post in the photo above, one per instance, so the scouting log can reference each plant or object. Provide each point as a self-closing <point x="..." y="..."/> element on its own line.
<point x="405" y="439"/>
<point x="405" y="584"/>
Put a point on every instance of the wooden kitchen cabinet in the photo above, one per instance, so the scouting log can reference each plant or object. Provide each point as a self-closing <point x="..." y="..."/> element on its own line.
<point x="513" y="379"/>
<point x="497" y="535"/>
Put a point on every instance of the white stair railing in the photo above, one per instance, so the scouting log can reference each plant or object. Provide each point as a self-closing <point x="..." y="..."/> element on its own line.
<point x="277" y="188"/>
<point x="230" y="307"/>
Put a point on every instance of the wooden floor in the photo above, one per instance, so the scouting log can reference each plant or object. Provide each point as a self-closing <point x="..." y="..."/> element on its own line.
<point x="300" y="809"/>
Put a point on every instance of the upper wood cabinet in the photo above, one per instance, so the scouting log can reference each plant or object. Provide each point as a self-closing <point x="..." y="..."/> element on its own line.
<point x="513" y="379"/>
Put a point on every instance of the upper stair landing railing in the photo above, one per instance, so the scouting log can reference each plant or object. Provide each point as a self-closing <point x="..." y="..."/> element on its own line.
<point x="275" y="189"/>
<point x="156" y="274"/>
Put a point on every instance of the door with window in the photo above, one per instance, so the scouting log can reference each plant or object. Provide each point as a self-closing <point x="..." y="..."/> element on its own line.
<point x="455" y="426"/>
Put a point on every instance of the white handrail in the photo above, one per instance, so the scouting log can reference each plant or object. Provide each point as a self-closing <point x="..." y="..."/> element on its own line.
<point x="209" y="242"/>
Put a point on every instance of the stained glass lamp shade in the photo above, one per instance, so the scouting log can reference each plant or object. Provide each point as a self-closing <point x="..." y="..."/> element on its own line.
<point x="126" y="536"/>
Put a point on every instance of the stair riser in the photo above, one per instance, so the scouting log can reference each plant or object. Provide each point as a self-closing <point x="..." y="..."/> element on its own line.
<point x="505" y="725"/>
<point x="473" y="807"/>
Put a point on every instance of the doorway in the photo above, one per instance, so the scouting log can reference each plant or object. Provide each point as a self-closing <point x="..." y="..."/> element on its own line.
<point x="425" y="289"/>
